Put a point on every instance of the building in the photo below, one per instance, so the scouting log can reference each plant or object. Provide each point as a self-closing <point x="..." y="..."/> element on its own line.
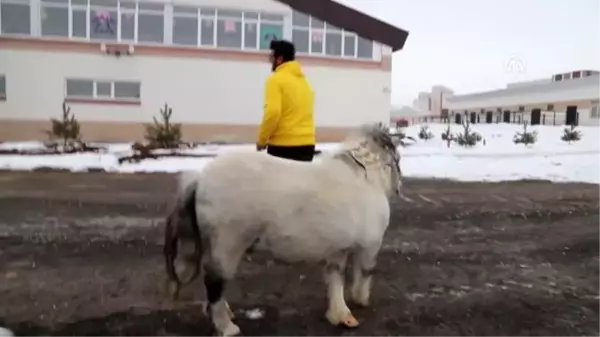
<point x="569" y="98"/>
<point x="432" y="102"/>
<point x="116" y="63"/>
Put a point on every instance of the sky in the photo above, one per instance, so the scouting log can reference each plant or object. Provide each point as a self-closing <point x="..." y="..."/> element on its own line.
<point x="479" y="45"/>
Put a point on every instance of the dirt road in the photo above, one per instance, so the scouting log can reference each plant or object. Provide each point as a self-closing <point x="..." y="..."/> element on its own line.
<point x="81" y="254"/>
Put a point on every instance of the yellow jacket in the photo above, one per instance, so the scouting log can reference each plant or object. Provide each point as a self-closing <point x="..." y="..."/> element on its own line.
<point x="289" y="102"/>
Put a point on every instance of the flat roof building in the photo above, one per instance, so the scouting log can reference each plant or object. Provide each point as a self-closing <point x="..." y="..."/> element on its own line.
<point x="569" y="98"/>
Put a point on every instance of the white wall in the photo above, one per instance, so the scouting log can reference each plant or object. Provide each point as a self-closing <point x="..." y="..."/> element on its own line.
<point x="199" y="90"/>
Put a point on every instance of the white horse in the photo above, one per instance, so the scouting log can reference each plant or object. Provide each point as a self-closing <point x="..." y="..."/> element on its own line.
<point x="333" y="210"/>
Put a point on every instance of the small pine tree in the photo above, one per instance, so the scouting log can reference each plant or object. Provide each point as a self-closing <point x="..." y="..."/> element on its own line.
<point x="447" y="134"/>
<point x="424" y="133"/>
<point x="570" y="134"/>
<point x="67" y="129"/>
<point x="468" y="137"/>
<point x="164" y="134"/>
<point x="525" y="137"/>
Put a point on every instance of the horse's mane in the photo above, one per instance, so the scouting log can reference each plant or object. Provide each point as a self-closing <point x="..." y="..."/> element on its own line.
<point x="371" y="134"/>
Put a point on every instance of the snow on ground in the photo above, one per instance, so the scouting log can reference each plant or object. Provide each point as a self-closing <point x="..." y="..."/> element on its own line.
<point x="499" y="159"/>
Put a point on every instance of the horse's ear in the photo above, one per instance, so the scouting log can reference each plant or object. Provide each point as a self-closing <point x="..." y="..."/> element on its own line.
<point x="397" y="140"/>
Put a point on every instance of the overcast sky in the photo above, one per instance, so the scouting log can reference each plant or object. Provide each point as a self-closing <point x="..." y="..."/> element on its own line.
<point x="478" y="45"/>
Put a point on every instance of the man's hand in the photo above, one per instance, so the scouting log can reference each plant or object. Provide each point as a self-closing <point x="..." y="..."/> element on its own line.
<point x="260" y="147"/>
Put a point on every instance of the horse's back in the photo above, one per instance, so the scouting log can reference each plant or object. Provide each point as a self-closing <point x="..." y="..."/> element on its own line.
<point x="298" y="210"/>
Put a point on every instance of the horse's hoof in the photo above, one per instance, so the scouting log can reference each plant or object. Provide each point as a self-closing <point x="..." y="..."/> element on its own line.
<point x="349" y="321"/>
<point x="231" y="330"/>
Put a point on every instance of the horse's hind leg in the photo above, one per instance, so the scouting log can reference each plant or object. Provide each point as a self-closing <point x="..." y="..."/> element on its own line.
<point x="362" y="270"/>
<point x="219" y="267"/>
<point x="338" y="312"/>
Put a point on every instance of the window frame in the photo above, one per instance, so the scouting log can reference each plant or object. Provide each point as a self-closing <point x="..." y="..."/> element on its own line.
<point x="3" y="94"/>
<point x="29" y="4"/>
<point x="44" y="4"/>
<point x="102" y="98"/>
<point x="324" y="32"/>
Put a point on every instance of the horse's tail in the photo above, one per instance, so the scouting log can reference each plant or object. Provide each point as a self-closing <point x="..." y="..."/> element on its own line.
<point x="182" y="225"/>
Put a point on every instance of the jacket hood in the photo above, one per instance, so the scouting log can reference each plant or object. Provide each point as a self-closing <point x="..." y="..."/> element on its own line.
<point x="290" y="67"/>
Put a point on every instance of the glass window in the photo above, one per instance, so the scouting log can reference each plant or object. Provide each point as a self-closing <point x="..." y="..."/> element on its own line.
<point x="250" y="35"/>
<point x="365" y="48"/>
<point x="269" y="32"/>
<point x="300" y="19"/>
<point x="316" y="23"/>
<point x="79" y="23"/>
<point x="271" y="17"/>
<point x="185" y="30"/>
<point x="127" y="90"/>
<point x="229" y="33"/>
<point x="207" y="32"/>
<point x="316" y="42"/>
<point x="103" y="89"/>
<point x="55" y="20"/>
<point x="103" y="23"/>
<point x="15" y="18"/>
<point x="150" y="27"/>
<point x="229" y="14"/>
<point x="127" y="25"/>
<point x="567" y="76"/>
<point x="300" y="39"/>
<point x="349" y="45"/>
<point x="2" y="85"/>
<point x="80" y="88"/>
<point x="333" y="43"/>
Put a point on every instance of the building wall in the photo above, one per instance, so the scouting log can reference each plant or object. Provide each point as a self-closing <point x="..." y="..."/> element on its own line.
<point x="583" y="93"/>
<point x="214" y="93"/>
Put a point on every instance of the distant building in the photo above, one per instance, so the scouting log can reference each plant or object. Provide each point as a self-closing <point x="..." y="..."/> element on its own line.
<point x="568" y="98"/>
<point x="432" y="103"/>
<point x="116" y="63"/>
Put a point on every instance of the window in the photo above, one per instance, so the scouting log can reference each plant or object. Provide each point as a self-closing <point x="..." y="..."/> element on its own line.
<point x="103" y="19"/>
<point x="151" y="22"/>
<point x="79" y="17"/>
<point x="54" y="15"/>
<point x="576" y="74"/>
<point x="127" y="20"/>
<point x="15" y="17"/>
<point x="229" y="29"/>
<point x="349" y="44"/>
<point x="102" y="89"/>
<point x="588" y="73"/>
<point x="557" y="77"/>
<point x="333" y="40"/>
<point x="364" y="49"/>
<point x="313" y="36"/>
<point x="567" y="76"/>
<point x="185" y="25"/>
<point x="271" y="28"/>
<point x="251" y="30"/>
<point x="2" y="87"/>
<point x="207" y="26"/>
<point x="550" y="107"/>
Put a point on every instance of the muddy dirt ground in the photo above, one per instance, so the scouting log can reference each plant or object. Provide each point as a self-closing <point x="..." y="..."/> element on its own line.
<point x="81" y="254"/>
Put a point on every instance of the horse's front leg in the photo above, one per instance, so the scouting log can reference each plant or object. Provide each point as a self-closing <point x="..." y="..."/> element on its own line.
<point x="338" y="312"/>
<point x="362" y="270"/>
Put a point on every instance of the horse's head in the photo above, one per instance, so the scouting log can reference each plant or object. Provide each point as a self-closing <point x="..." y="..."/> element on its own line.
<point x="375" y="150"/>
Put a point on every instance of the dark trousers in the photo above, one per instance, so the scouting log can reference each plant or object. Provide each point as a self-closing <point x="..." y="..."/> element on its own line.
<point x="298" y="153"/>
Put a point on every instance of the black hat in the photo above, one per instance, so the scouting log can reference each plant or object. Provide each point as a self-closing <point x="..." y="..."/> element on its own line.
<point x="283" y="48"/>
